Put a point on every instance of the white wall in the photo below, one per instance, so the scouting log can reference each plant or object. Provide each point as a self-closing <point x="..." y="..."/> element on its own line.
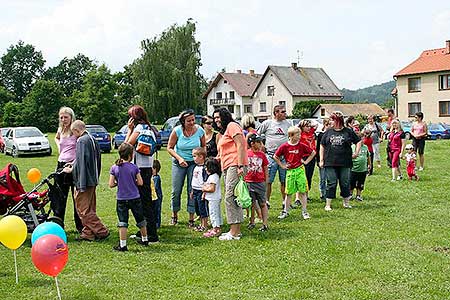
<point x="225" y="88"/>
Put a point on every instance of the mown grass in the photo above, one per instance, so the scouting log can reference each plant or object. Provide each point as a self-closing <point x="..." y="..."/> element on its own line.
<point x="394" y="245"/>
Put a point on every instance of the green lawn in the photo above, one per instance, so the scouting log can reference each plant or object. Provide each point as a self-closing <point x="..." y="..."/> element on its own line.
<point x="394" y="245"/>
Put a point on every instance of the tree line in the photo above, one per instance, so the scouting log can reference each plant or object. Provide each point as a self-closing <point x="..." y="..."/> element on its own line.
<point x="164" y="79"/>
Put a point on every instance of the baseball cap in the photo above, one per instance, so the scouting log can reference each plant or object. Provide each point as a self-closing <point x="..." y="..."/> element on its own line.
<point x="252" y="137"/>
<point x="409" y="146"/>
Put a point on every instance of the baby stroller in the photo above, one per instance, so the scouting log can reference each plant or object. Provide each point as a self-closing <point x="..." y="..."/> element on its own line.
<point x="31" y="206"/>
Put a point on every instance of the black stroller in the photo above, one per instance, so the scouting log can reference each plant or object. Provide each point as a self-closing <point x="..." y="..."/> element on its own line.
<point x="30" y="206"/>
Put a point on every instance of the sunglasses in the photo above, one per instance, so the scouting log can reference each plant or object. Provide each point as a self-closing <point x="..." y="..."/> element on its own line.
<point x="209" y="122"/>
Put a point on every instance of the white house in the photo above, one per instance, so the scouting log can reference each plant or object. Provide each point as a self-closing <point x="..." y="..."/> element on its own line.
<point x="288" y="85"/>
<point x="233" y="91"/>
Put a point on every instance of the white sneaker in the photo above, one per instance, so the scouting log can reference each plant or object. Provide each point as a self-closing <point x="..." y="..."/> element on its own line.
<point x="228" y="237"/>
<point x="359" y="198"/>
<point x="346" y="205"/>
<point x="420" y="169"/>
<point x="305" y="215"/>
<point x="400" y="177"/>
<point x="283" y="215"/>
<point x="328" y="208"/>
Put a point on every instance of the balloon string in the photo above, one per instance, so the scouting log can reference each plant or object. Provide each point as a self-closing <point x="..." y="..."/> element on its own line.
<point x="15" y="265"/>
<point x="57" y="288"/>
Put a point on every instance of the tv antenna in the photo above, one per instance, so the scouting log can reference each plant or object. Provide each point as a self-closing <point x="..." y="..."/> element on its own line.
<point x="299" y="56"/>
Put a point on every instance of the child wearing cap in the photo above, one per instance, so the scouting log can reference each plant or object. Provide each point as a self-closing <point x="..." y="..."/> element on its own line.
<point x="256" y="178"/>
<point x="411" y="162"/>
<point x="294" y="152"/>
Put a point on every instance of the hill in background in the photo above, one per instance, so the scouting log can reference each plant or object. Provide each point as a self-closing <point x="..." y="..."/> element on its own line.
<point x="380" y="94"/>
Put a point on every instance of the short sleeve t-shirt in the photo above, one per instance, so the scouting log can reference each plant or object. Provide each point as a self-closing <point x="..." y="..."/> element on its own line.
<point x="360" y="162"/>
<point x="185" y="144"/>
<point x="375" y="129"/>
<point x="275" y="133"/>
<point x="126" y="180"/>
<point x="395" y="140"/>
<point x="143" y="161"/>
<point x="256" y="163"/>
<point x="197" y="178"/>
<point x="227" y="146"/>
<point x="293" y="154"/>
<point x="217" y="194"/>
<point x="337" y="144"/>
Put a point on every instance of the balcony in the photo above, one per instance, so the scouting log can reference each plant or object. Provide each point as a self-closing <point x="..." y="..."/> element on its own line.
<point x="226" y="101"/>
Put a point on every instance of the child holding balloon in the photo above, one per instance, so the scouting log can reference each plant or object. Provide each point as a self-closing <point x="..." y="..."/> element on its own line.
<point x="126" y="177"/>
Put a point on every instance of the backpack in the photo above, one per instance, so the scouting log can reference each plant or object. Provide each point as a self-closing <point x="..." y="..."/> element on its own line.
<point x="146" y="142"/>
<point x="243" y="198"/>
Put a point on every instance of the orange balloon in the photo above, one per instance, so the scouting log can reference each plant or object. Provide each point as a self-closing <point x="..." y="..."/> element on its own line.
<point x="34" y="175"/>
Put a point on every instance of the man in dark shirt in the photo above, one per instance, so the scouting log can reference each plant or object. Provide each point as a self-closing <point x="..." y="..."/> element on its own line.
<point x="86" y="171"/>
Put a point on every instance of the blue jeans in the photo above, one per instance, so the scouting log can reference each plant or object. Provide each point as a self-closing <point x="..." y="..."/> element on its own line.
<point x="157" y="205"/>
<point x="322" y="183"/>
<point x="335" y="174"/>
<point x="135" y="205"/>
<point x="201" y="207"/>
<point x="179" y="175"/>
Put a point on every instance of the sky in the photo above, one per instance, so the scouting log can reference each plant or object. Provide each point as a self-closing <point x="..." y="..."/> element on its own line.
<point x="357" y="43"/>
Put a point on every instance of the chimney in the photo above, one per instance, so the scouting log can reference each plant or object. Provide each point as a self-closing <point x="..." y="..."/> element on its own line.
<point x="252" y="72"/>
<point x="447" y="47"/>
<point x="294" y="65"/>
<point x="239" y="71"/>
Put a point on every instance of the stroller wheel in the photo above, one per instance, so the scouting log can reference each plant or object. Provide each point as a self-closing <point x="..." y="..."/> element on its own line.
<point x="56" y="220"/>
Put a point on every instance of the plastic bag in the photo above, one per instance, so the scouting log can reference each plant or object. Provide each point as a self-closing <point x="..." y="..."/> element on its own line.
<point x="243" y="198"/>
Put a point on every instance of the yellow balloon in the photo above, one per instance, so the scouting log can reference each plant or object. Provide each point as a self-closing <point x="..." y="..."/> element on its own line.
<point x="34" y="175"/>
<point x="13" y="232"/>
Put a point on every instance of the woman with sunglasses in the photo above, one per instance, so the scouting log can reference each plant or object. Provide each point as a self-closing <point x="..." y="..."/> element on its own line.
<point x="183" y="139"/>
<point x="211" y="137"/>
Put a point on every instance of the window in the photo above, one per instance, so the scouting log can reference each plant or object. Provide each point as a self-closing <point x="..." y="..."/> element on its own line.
<point x="444" y="82"/>
<point x="219" y="95"/>
<point x="282" y="103"/>
<point x="444" y="108"/>
<point x="231" y="108"/>
<point x="262" y="107"/>
<point x="413" y="108"/>
<point x="414" y="85"/>
<point x="247" y="109"/>
<point x="322" y="112"/>
<point x="270" y="90"/>
<point x="231" y="94"/>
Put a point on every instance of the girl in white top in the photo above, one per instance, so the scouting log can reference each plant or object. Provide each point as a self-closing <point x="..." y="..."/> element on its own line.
<point x="213" y="195"/>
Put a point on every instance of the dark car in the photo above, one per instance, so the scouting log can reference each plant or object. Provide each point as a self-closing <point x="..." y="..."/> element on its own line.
<point x="101" y="135"/>
<point x="120" y="135"/>
<point x="170" y="124"/>
<point x="437" y="131"/>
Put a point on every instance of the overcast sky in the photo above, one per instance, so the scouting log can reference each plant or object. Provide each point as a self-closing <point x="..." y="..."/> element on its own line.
<point x="358" y="43"/>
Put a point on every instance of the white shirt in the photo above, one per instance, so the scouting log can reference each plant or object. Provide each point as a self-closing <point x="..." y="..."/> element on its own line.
<point x="217" y="194"/>
<point x="197" y="178"/>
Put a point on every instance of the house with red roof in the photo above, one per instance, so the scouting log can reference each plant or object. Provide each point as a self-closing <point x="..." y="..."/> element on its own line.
<point x="233" y="91"/>
<point x="424" y="85"/>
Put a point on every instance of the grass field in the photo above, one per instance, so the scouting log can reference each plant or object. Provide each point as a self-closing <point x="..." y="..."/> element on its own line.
<point x="394" y="245"/>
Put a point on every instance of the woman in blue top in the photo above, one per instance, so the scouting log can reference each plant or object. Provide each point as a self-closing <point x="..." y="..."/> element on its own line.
<point x="183" y="139"/>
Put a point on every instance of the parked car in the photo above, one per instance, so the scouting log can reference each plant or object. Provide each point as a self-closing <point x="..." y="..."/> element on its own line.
<point x="26" y="140"/>
<point x="2" y="144"/>
<point x="406" y="126"/>
<point x="101" y="135"/>
<point x="120" y="135"/>
<point x="437" y="131"/>
<point x="170" y="124"/>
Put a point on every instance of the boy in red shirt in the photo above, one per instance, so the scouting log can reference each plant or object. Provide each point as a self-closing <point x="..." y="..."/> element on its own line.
<point x="257" y="174"/>
<point x="293" y="152"/>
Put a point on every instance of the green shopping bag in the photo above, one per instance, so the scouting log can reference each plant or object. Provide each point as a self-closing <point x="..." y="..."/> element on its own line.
<point x="243" y="198"/>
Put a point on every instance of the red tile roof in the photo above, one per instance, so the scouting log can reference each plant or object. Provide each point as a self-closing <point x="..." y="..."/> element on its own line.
<point x="243" y="84"/>
<point x="434" y="60"/>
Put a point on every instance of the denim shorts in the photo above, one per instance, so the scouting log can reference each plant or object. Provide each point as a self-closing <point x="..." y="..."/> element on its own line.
<point x="273" y="168"/>
<point x="201" y="207"/>
<point x="257" y="191"/>
<point x="135" y="205"/>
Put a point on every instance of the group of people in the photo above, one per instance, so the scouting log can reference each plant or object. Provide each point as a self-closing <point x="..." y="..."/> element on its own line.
<point x="201" y="154"/>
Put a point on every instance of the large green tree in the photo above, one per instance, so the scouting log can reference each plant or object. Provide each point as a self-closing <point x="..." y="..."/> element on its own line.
<point x="98" y="103"/>
<point x="70" y="73"/>
<point x="20" y="67"/>
<point x="40" y="107"/>
<point x="167" y="74"/>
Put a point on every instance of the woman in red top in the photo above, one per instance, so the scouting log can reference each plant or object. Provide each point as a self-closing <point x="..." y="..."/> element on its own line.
<point x="308" y="137"/>
<point x="397" y="143"/>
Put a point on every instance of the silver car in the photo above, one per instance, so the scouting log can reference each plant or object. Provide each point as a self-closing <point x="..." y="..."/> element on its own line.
<point x="26" y="140"/>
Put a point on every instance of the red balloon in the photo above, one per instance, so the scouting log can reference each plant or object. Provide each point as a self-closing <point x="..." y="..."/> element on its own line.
<point x="50" y="254"/>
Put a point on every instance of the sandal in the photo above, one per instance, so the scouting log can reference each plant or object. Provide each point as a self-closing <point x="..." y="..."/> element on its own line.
<point x="191" y="224"/>
<point x="211" y="233"/>
<point x="200" y="228"/>
<point x="174" y="221"/>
